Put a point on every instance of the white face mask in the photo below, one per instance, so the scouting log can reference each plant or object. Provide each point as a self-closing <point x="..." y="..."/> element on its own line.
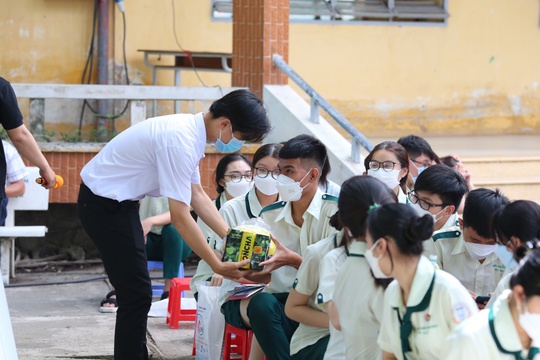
<point x="266" y="185"/>
<point x="422" y="212"/>
<point x="530" y="322"/>
<point x="290" y="190"/>
<point x="238" y="188"/>
<point x="389" y="178"/>
<point x="479" y="251"/>
<point x="374" y="262"/>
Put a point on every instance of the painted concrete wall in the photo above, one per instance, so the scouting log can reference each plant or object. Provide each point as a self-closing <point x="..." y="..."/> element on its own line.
<point x="477" y="74"/>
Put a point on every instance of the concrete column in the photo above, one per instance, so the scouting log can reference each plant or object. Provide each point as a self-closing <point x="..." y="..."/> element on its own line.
<point x="260" y="29"/>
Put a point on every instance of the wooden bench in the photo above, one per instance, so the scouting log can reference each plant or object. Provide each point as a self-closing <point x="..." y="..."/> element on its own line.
<point x="35" y="198"/>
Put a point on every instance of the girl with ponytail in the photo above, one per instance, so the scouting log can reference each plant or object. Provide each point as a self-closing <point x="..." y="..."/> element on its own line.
<point x="421" y="306"/>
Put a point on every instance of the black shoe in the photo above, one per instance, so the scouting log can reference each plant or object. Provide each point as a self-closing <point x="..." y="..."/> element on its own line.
<point x="165" y="295"/>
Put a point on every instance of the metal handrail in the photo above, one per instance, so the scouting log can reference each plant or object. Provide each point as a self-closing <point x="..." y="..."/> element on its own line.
<point x="358" y="139"/>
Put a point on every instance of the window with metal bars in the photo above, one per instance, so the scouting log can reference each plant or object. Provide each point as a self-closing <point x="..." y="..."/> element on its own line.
<point x="398" y="12"/>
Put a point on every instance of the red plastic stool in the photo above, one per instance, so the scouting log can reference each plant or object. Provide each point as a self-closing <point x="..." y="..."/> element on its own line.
<point x="175" y="313"/>
<point x="236" y="342"/>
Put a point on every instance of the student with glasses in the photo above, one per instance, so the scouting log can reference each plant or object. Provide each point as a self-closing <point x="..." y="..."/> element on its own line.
<point x="388" y="162"/>
<point x="421" y="155"/>
<point x="233" y="177"/>
<point x="438" y="192"/>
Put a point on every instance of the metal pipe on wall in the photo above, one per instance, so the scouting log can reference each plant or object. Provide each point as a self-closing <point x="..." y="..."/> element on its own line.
<point x="103" y="66"/>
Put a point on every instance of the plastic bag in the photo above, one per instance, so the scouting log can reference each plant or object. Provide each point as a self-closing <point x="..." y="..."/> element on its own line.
<point x="210" y="325"/>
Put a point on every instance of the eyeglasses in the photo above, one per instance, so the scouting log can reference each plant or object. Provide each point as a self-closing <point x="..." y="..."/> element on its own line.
<point x="262" y="173"/>
<point x="237" y="177"/>
<point x="413" y="198"/>
<point x="385" y="165"/>
<point x="426" y="164"/>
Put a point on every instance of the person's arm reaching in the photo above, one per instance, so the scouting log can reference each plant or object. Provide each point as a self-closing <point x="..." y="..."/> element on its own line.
<point x="191" y="233"/>
<point x="25" y="143"/>
<point x="15" y="189"/>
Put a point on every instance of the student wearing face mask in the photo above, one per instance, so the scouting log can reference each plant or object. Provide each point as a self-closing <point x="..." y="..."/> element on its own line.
<point x="421" y="155"/>
<point x="470" y="256"/>
<point x="159" y="157"/>
<point x="510" y="329"/>
<point x="421" y="306"/>
<point x="438" y="192"/>
<point x="233" y="177"/>
<point x="388" y="162"/>
<point x="516" y="228"/>
<point x="298" y="220"/>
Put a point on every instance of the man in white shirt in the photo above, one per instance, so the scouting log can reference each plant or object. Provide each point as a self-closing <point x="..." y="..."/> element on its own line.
<point x="159" y="157"/>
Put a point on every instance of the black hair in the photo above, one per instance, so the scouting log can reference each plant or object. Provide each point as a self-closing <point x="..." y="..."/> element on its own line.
<point x="246" y="113"/>
<point x="480" y="205"/>
<point x="222" y="167"/>
<point x="335" y="221"/>
<point x="449" y="161"/>
<point x="307" y="147"/>
<point x="401" y="155"/>
<point x="357" y="195"/>
<point x="520" y="218"/>
<point x="416" y="146"/>
<point x="266" y="150"/>
<point x="401" y="223"/>
<point x="443" y="181"/>
<point x="528" y="275"/>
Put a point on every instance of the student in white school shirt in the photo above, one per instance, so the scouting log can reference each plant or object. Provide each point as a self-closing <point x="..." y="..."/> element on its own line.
<point x="389" y="162"/>
<point x="471" y="257"/>
<point x="508" y="330"/>
<point x="233" y="177"/>
<point x="421" y="306"/>
<point x="516" y="228"/>
<point x="300" y="219"/>
<point x="357" y="337"/>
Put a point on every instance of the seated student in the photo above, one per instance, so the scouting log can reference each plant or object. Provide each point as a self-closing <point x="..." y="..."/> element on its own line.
<point x="516" y="227"/>
<point x="388" y="162"/>
<point x="421" y="155"/>
<point x="438" y="192"/>
<point x="455" y="163"/>
<point x="358" y="195"/>
<point x="508" y="330"/>
<point x="15" y="175"/>
<point x="300" y="219"/>
<point x="233" y="177"/>
<point x="358" y="296"/>
<point x="421" y="306"/>
<point x="163" y="242"/>
<point x="469" y="254"/>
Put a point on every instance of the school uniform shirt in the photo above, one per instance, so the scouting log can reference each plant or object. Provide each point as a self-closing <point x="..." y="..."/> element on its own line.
<point x="330" y="188"/>
<point x="436" y="304"/>
<point x="360" y="303"/>
<point x="15" y="168"/>
<point x="330" y="265"/>
<point x="151" y="206"/>
<point x="501" y="287"/>
<point x="204" y="271"/>
<point x="490" y="334"/>
<point x="156" y="157"/>
<point x="402" y="197"/>
<point x="306" y="283"/>
<point x="316" y="226"/>
<point x="450" y="228"/>
<point x="453" y="257"/>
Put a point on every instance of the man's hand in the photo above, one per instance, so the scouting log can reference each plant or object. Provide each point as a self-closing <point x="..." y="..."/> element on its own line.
<point x="282" y="257"/>
<point x="216" y="280"/>
<point x="231" y="270"/>
<point x="50" y="178"/>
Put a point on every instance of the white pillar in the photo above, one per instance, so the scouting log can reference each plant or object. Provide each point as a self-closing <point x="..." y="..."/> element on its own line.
<point x="7" y="341"/>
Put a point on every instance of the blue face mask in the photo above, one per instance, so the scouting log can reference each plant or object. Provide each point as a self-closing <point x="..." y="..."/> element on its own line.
<point x="231" y="146"/>
<point x="506" y="257"/>
<point x="420" y="169"/>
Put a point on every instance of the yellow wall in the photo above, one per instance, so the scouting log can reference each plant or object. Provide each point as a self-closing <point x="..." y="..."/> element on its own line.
<point x="478" y="74"/>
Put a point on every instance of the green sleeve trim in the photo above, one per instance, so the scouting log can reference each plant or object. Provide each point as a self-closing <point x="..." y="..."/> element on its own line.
<point x="329" y="197"/>
<point x="446" y="235"/>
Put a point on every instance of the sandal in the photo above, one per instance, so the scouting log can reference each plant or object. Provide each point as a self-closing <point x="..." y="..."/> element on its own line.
<point x="109" y="300"/>
<point x="165" y="295"/>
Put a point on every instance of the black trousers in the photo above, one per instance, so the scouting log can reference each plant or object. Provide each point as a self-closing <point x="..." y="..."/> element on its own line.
<point x="115" y="228"/>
